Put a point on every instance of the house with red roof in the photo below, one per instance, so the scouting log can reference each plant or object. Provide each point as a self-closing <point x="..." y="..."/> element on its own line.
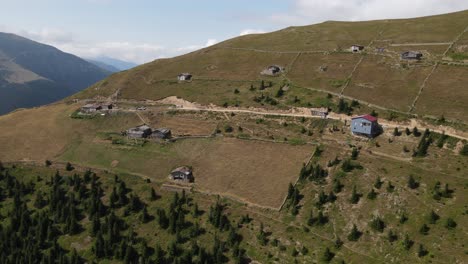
<point x="365" y="125"/>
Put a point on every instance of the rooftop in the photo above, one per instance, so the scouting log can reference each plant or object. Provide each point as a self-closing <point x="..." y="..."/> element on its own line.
<point x="367" y="117"/>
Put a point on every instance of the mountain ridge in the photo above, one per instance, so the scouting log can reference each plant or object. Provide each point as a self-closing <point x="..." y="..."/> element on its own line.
<point x="23" y="62"/>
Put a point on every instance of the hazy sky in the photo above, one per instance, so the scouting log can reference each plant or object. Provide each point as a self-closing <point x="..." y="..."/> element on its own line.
<point x="143" y="30"/>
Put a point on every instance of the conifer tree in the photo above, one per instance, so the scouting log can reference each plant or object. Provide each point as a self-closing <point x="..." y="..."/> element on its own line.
<point x="354" y="234"/>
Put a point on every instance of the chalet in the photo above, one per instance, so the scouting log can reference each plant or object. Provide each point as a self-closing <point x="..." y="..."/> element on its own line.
<point x="142" y="131"/>
<point x="184" y="76"/>
<point x="322" y="112"/>
<point x="411" y="55"/>
<point x="272" y="70"/>
<point x="182" y="174"/>
<point x="356" y="48"/>
<point x="365" y="125"/>
<point x="161" y="133"/>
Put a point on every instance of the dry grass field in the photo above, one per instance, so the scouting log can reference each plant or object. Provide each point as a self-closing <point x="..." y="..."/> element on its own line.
<point x="445" y="96"/>
<point x="306" y="71"/>
<point x="329" y="35"/>
<point x="380" y="81"/>
<point x="183" y="124"/>
<point x="255" y="172"/>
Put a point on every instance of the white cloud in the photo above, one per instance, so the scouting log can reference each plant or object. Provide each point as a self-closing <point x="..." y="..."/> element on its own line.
<point x="313" y="11"/>
<point x="251" y="31"/>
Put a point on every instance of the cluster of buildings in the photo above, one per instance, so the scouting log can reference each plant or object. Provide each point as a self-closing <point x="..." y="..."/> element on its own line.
<point x="144" y="131"/>
<point x="407" y="55"/>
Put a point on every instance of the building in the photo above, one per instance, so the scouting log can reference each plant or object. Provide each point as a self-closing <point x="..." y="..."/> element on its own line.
<point x="93" y="108"/>
<point x="411" y="55"/>
<point x="322" y="112"/>
<point x="90" y="108"/>
<point x="365" y="125"/>
<point x="183" y="173"/>
<point x="356" y="48"/>
<point x="142" y="131"/>
<point x="184" y="76"/>
<point x="380" y="50"/>
<point x="272" y="70"/>
<point x="161" y="133"/>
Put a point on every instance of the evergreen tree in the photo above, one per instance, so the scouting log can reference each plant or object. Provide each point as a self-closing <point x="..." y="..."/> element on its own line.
<point x="338" y="243"/>
<point x="69" y="167"/>
<point x="407" y="243"/>
<point x="424" y="229"/>
<point x="433" y="217"/>
<point x="412" y="183"/>
<point x="337" y="186"/>
<point x="407" y="131"/>
<point x="153" y="195"/>
<point x="391" y="236"/>
<point x="450" y="223"/>
<point x="396" y="133"/>
<point x="311" y="219"/>
<point x="354" y="234"/>
<point x="327" y="255"/>
<point x="403" y="218"/>
<point x="354" y="196"/>
<point x="377" y="224"/>
<point x="372" y="194"/>
<point x="421" y="251"/>
<point x="261" y="236"/>
<point x="144" y="217"/>
<point x="390" y="187"/>
<point x="354" y="154"/>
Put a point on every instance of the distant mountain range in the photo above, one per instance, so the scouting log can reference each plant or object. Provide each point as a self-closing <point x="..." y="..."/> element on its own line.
<point x="33" y="74"/>
<point x="111" y="64"/>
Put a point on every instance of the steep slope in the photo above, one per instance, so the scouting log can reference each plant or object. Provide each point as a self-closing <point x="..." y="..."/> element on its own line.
<point x="317" y="58"/>
<point x="33" y="74"/>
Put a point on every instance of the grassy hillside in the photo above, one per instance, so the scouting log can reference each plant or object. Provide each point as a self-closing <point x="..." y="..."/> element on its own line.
<point x="379" y="78"/>
<point x="293" y="187"/>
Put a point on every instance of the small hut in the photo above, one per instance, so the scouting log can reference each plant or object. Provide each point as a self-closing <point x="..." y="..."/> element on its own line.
<point x="161" y="133"/>
<point x="184" y="76"/>
<point x="272" y="70"/>
<point x="411" y="55"/>
<point x="356" y="48"/>
<point x="183" y="173"/>
<point x="142" y="131"/>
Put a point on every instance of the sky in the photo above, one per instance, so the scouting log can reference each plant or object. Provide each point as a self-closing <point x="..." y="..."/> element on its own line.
<point x="140" y="31"/>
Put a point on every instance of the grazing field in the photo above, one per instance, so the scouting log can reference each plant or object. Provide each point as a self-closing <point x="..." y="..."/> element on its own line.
<point x="426" y="29"/>
<point x="330" y="35"/>
<point x="380" y="81"/>
<point x="254" y="172"/>
<point x="445" y="96"/>
<point x="183" y="124"/>
<point x="45" y="132"/>
<point x="306" y="71"/>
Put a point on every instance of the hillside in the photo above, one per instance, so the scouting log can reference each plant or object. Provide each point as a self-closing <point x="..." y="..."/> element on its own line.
<point x="274" y="182"/>
<point x="374" y="77"/>
<point x="33" y="74"/>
